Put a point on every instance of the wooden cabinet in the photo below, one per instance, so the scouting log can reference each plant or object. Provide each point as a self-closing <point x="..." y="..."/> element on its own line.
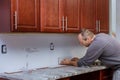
<point x="3" y="79"/>
<point x="65" y="79"/>
<point x="95" y="15"/>
<point x="4" y="16"/>
<point x="86" y="76"/>
<point x="106" y="74"/>
<point x="88" y="15"/>
<point x="25" y="15"/>
<point x="72" y="15"/>
<point x="51" y="15"/>
<point x="103" y="15"/>
<point x="60" y="15"/>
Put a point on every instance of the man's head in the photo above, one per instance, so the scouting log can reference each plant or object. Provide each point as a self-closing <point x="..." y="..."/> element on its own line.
<point x="86" y="37"/>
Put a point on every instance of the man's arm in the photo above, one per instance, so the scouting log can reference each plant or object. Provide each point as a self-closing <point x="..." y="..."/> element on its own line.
<point x="72" y="62"/>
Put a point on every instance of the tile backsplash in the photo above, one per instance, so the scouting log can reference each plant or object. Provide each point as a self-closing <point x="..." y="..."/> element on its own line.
<point x="33" y="50"/>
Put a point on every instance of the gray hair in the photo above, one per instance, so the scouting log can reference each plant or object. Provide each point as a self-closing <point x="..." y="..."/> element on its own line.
<point x="86" y="33"/>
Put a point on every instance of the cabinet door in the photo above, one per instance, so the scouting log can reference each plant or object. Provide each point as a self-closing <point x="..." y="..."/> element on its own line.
<point x="25" y="15"/>
<point x="72" y="14"/>
<point x="103" y="15"/>
<point x="87" y="76"/>
<point x="106" y="74"/>
<point x="4" y="16"/>
<point x="51" y="15"/>
<point x="3" y="79"/>
<point x="65" y="79"/>
<point x="88" y="16"/>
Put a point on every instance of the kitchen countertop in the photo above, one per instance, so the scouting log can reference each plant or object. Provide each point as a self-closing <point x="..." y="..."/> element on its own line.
<point x="51" y="73"/>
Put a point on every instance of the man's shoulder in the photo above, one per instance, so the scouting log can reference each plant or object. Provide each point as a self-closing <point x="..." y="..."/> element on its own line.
<point x="101" y="39"/>
<point x="102" y="34"/>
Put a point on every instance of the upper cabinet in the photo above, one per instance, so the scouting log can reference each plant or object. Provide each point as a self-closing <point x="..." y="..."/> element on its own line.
<point x="103" y="16"/>
<point x="51" y="15"/>
<point x="4" y="16"/>
<point x="60" y="15"/>
<point x="95" y="15"/>
<point x="25" y="15"/>
<point x="72" y="15"/>
<point x="88" y="15"/>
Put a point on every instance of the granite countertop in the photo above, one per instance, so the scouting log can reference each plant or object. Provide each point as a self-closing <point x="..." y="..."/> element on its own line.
<point x="51" y="73"/>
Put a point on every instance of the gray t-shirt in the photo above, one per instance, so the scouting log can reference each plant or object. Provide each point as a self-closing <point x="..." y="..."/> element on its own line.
<point x="105" y="48"/>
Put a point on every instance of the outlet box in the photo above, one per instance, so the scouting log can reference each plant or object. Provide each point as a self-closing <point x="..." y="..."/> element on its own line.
<point x="3" y="49"/>
<point x="51" y="46"/>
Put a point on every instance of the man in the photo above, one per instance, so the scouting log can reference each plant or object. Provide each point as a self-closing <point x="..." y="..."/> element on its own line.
<point x="100" y="46"/>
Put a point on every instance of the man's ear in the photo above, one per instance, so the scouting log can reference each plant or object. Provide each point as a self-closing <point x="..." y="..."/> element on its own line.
<point x="88" y="38"/>
<point x="84" y="38"/>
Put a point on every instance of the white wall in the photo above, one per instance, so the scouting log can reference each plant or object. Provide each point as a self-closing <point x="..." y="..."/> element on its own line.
<point x="118" y="19"/>
<point x="19" y="53"/>
<point x="112" y="16"/>
<point x="115" y="17"/>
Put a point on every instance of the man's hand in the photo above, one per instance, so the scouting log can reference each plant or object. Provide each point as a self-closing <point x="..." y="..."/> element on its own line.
<point x="75" y="59"/>
<point x="72" y="62"/>
<point x="65" y="61"/>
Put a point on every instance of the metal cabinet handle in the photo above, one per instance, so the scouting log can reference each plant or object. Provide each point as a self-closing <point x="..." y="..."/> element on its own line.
<point x="15" y="19"/>
<point x="66" y="22"/>
<point x="63" y="23"/>
<point x="99" y="25"/>
<point x="97" y="28"/>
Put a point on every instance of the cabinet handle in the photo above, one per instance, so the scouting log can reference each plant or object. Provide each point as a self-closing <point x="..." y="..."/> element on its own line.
<point x="66" y="22"/>
<point x="63" y="22"/>
<point x="15" y="19"/>
<point x="97" y="28"/>
<point x="99" y="25"/>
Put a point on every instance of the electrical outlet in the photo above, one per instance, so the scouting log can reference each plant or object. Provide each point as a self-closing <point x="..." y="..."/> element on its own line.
<point x="3" y="49"/>
<point x="51" y="46"/>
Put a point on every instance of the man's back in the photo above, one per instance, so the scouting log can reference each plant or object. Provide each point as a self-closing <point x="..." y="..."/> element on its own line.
<point x="110" y="50"/>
